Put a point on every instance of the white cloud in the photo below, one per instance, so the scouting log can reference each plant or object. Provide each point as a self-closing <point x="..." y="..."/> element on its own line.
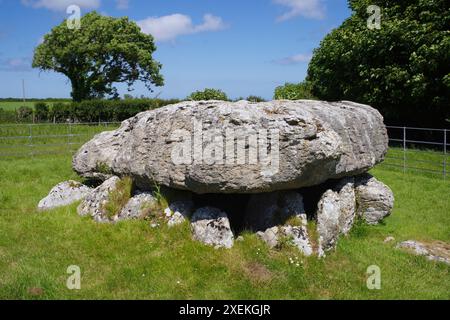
<point x="295" y="59"/>
<point x="61" y="5"/>
<point x="122" y="4"/>
<point x="169" y="27"/>
<point x="306" y="8"/>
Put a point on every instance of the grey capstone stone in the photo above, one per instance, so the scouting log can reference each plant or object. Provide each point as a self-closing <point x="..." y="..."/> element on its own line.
<point x="212" y="227"/>
<point x="317" y="141"/>
<point x="63" y="194"/>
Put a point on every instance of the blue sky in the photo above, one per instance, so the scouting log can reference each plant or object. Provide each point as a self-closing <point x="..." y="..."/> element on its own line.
<point x="240" y="46"/>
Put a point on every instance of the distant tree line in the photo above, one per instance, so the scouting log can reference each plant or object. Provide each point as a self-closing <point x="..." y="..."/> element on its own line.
<point x="84" y="111"/>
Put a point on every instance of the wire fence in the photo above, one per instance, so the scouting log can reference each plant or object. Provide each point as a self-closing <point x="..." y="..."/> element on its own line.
<point x="418" y="149"/>
<point x="24" y="140"/>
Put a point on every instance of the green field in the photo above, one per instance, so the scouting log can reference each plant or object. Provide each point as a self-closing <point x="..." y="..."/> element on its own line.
<point x="13" y="105"/>
<point x="131" y="260"/>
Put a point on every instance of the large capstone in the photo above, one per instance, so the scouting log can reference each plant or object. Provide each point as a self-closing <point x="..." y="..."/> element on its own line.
<point x="239" y="147"/>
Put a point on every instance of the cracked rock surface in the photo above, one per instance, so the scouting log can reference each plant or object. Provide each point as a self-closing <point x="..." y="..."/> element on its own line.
<point x="316" y="141"/>
<point x="63" y="194"/>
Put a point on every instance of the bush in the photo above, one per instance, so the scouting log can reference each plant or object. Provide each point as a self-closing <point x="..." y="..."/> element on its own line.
<point x="25" y="114"/>
<point x="255" y="99"/>
<point x="41" y="110"/>
<point x="7" y="116"/>
<point x="85" y="111"/>
<point x="208" y="94"/>
<point x="60" y="112"/>
<point x="292" y="91"/>
<point x="113" y="110"/>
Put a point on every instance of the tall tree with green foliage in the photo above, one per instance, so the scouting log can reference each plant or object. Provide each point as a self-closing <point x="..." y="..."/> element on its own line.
<point x="402" y="68"/>
<point x="103" y="51"/>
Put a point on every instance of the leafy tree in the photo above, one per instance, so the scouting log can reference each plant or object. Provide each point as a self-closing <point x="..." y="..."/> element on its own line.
<point x="103" y="51"/>
<point x="25" y="113"/>
<point x="208" y="94"/>
<point x="293" y="91"/>
<point x="403" y="68"/>
<point x="41" y="110"/>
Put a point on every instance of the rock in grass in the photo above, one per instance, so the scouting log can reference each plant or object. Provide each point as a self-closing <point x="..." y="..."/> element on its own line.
<point x="375" y="199"/>
<point x="298" y="143"/>
<point x="138" y="206"/>
<point x="212" y="227"/>
<point x="63" y="194"/>
<point x="295" y="235"/>
<point x="269" y="236"/>
<point x="335" y="214"/>
<point x="436" y="251"/>
<point x="179" y="211"/>
<point x="298" y="235"/>
<point x="95" y="201"/>
<point x="280" y="214"/>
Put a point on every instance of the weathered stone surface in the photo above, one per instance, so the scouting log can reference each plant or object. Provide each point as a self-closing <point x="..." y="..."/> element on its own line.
<point x="335" y="214"/>
<point x="270" y="213"/>
<point x="317" y="141"/>
<point x="63" y="194"/>
<point x="299" y="236"/>
<point x="375" y="199"/>
<point x="212" y="227"/>
<point x="436" y="251"/>
<point x="269" y="236"/>
<point x="137" y="206"/>
<point x="93" y="203"/>
<point x="179" y="211"/>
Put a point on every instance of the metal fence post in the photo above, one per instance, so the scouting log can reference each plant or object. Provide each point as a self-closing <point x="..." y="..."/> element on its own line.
<point x="404" y="149"/>
<point x="69" y="134"/>
<point x="30" y="139"/>
<point x="445" y="154"/>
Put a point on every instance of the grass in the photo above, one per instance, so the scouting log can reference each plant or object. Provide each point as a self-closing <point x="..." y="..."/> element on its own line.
<point x="118" y="198"/>
<point x="131" y="260"/>
<point x="429" y="161"/>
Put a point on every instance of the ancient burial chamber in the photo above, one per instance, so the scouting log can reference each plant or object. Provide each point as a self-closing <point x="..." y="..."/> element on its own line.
<point x="269" y="167"/>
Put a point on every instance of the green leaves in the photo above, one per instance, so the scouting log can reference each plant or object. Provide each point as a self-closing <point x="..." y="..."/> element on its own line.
<point x="293" y="91"/>
<point x="398" y="69"/>
<point x="208" y="94"/>
<point x="104" y="51"/>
